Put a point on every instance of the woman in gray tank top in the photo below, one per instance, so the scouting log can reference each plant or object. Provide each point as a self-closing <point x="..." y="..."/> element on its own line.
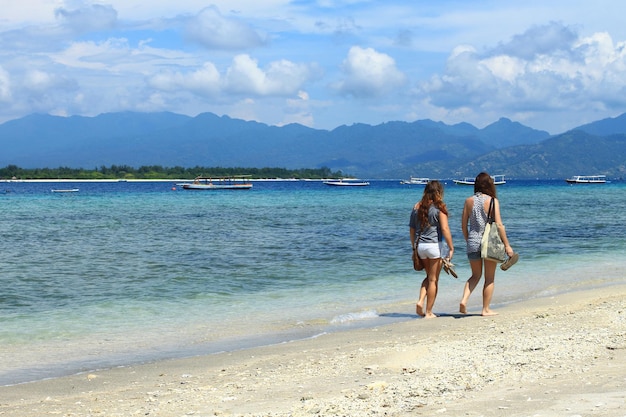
<point x="473" y="224"/>
<point x="428" y="226"/>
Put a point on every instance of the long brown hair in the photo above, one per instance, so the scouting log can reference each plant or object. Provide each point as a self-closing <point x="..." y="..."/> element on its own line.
<point x="433" y="195"/>
<point x="484" y="184"/>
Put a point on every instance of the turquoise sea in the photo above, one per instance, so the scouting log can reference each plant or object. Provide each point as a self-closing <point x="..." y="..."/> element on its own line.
<point x="122" y="273"/>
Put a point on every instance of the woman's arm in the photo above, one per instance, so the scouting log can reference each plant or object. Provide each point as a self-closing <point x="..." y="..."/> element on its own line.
<point x="413" y="222"/>
<point x="501" y="229"/>
<point x="467" y="209"/>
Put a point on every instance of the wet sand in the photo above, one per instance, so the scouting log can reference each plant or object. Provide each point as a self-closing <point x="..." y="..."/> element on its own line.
<point x="559" y="356"/>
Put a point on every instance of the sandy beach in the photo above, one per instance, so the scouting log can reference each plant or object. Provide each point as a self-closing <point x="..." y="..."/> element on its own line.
<point x="563" y="355"/>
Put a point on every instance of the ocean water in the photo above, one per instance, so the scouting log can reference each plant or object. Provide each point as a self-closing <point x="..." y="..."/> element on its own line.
<point x="122" y="273"/>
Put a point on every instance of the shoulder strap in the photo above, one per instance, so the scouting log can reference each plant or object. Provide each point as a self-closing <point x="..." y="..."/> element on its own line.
<point x="491" y="214"/>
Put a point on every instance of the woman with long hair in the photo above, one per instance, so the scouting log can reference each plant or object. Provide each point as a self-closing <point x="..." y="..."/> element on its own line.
<point x="428" y="227"/>
<point x="474" y="219"/>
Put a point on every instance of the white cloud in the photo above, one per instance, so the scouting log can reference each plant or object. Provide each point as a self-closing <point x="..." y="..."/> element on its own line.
<point x="279" y="78"/>
<point x="550" y="39"/>
<point x="92" y="55"/>
<point x="298" y="110"/>
<point x="504" y="67"/>
<point x="138" y="10"/>
<point x="42" y="82"/>
<point x="15" y="13"/>
<point x="204" y="81"/>
<point x="547" y="64"/>
<point x="243" y="77"/>
<point x="117" y="55"/>
<point x="547" y="68"/>
<point x="26" y="12"/>
<point x="88" y="17"/>
<point x="5" y="85"/>
<point x="215" y="31"/>
<point x="368" y="73"/>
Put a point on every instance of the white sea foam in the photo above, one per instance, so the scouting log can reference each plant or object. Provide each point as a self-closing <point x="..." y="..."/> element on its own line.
<point x="352" y="317"/>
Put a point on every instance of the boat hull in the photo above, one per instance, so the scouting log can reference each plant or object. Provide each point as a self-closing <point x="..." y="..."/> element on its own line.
<point x="587" y="179"/>
<point x="347" y="183"/>
<point x="415" y="181"/>
<point x="71" y="190"/>
<point x="218" y="183"/>
<point x="497" y="180"/>
<point x="217" y="186"/>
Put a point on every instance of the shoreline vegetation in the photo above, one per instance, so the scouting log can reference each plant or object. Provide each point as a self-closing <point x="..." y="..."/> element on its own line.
<point x="158" y="173"/>
<point x="113" y="173"/>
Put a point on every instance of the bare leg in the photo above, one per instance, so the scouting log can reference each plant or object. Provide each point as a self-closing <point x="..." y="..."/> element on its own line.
<point x="477" y="271"/>
<point x="490" y="277"/>
<point x="432" y="266"/>
<point x="419" y="308"/>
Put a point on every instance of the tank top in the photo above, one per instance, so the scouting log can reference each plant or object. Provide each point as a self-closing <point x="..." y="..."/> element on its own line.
<point x="477" y="222"/>
<point x="432" y="231"/>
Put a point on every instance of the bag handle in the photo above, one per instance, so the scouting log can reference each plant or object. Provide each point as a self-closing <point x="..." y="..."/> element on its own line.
<point x="491" y="214"/>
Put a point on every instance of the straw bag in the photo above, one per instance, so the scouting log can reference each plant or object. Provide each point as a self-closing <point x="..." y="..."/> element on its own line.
<point x="491" y="246"/>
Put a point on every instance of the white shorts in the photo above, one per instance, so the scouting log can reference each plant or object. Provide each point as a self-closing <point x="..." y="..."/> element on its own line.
<point x="431" y="250"/>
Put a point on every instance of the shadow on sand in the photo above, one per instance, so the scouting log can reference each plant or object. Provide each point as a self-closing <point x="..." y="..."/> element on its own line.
<point x="415" y="316"/>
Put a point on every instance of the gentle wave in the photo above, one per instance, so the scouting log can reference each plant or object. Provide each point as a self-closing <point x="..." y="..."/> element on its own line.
<point x="352" y="317"/>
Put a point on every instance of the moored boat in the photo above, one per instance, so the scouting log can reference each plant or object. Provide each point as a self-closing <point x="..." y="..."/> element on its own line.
<point x="218" y="183"/>
<point x="497" y="180"/>
<point x="415" y="181"/>
<point x="465" y="181"/>
<point x="65" y="190"/>
<point x="587" y="179"/>
<point x="347" y="182"/>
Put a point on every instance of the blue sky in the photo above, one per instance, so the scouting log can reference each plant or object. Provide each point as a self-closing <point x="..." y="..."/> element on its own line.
<point x="551" y="65"/>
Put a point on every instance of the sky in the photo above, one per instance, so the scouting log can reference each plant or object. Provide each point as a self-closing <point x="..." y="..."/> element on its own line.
<point x="550" y="65"/>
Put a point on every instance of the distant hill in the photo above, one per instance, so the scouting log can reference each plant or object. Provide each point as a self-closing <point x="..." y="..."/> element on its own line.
<point x="389" y="150"/>
<point x="572" y="153"/>
<point x="505" y="133"/>
<point x="606" y="127"/>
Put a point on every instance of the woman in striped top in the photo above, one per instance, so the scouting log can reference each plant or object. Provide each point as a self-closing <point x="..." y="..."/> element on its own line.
<point x="473" y="224"/>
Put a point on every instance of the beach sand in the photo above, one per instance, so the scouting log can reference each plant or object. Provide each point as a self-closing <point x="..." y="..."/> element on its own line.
<point x="559" y="356"/>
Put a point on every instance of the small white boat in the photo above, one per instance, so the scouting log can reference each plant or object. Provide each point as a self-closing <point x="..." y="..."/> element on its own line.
<point x="345" y="182"/>
<point x="415" y="181"/>
<point x="218" y="183"/>
<point x="497" y="180"/>
<point x="465" y="181"/>
<point x="587" y="179"/>
<point x="67" y="190"/>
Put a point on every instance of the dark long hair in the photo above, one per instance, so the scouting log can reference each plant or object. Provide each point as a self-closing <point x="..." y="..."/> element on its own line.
<point x="433" y="195"/>
<point x="484" y="184"/>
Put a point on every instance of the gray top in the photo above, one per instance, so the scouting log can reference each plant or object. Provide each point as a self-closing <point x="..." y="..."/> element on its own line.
<point x="477" y="222"/>
<point x="432" y="232"/>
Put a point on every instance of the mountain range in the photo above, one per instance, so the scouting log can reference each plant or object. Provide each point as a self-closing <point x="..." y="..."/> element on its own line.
<point x="423" y="148"/>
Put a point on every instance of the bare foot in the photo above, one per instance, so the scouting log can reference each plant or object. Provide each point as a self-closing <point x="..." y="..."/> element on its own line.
<point x="430" y="316"/>
<point x="419" y="310"/>
<point x="489" y="313"/>
<point x="462" y="308"/>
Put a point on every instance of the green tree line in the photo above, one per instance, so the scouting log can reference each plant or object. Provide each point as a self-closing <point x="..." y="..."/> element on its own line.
<point x="159" y="172"/>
